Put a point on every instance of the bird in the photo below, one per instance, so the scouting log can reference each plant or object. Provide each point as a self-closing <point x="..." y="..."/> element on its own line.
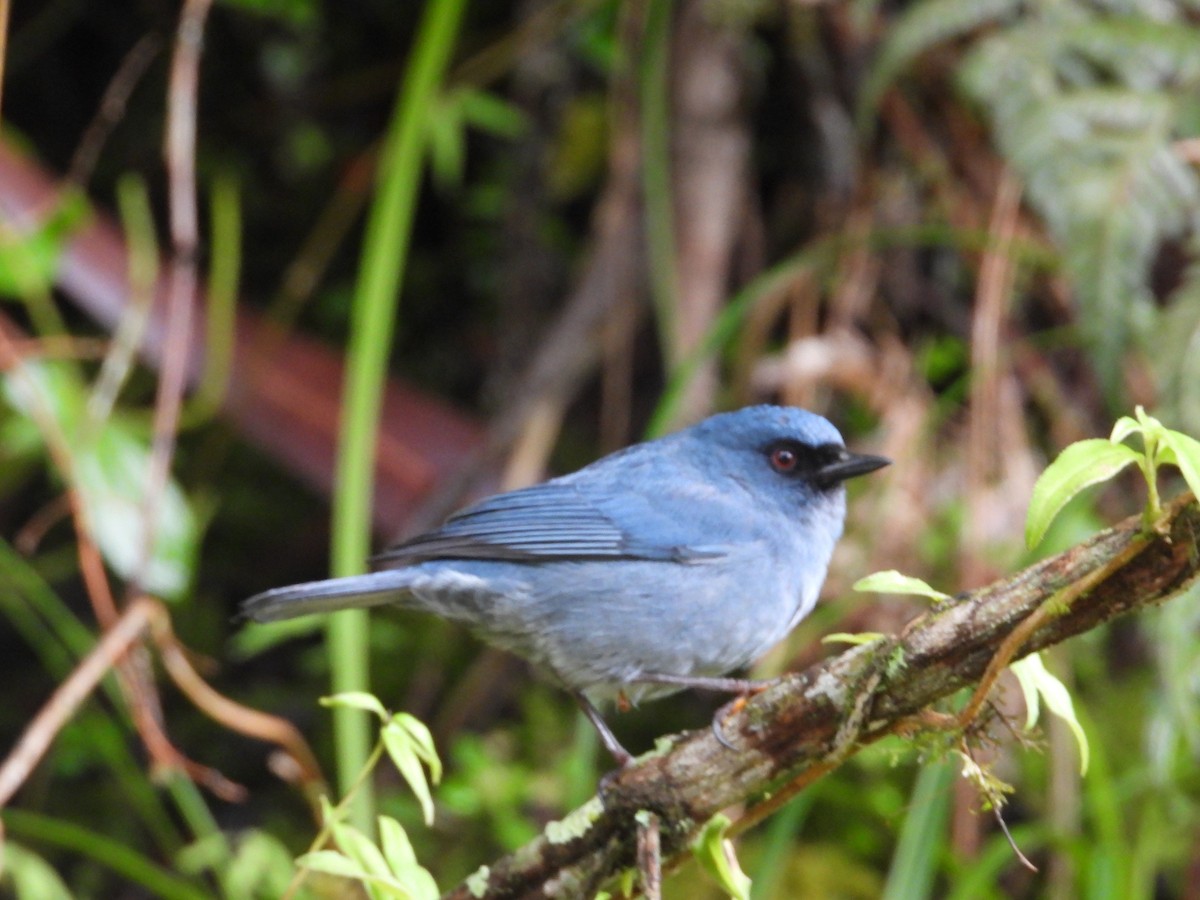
<point x="663" y="566"/>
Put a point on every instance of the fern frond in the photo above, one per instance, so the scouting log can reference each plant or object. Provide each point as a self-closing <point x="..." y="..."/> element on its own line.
<point x="1086" y="110"/>
<point x="1174" y="338"/>
<point x="927" y="25"/>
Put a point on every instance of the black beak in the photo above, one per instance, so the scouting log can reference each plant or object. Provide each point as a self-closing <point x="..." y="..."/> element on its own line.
<point x="849" y="465"/>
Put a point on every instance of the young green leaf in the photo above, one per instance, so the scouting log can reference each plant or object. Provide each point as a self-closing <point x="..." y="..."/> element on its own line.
<point x="387" y="870"/>
<point x="261" y="866"/>
<point x="1186" y="452"/>
<point x="1037" y="681"/>
<point x="356" y="845"/>
<point x="110" y="475"/>
<point x="356" y="700"/>
<point x="1123" y="428"/>
<point x="332" y="863"/>
<point x="29" y="259"/>
<point x="415" y="883"/>
<point x="893" y="582"/>
<point x="396" y="846"/>
<point x="109" y="465"/>
<point x="715" y="855"/>
<point x="422" y="740"/>
<point x="842" y="637"/>
<point x="1027" y="679"/>
<point x="28" y="875"/>
<point x="1079" y="466"/>
<point x="403" y="861"/>
<point x="250" y="642"/>
<point x="488" y="112"/>
<point x="446" y="141"/>
<point x="402" y="748"/>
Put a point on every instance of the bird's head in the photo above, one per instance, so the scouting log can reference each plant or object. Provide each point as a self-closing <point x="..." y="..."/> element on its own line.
<point x="780" y="451"/>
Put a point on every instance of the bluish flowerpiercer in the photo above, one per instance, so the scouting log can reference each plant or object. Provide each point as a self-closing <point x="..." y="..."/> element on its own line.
<point x="663" y="566"/>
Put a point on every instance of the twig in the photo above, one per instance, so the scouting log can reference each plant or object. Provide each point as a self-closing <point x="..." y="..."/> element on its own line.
<point x="4" y="6"/>
<point x="59" y="709"/>
<point x="233" y="715"/>
<point x="1012" y="843"/>
<point x="112" y="107"/>
<point x="112" y="652"/>
<point x="788" y="732"/>
<point x="55" y="346"/>
<point x="131" y="329"/>
<point x="1054" y="605"/>
<point x="649" y="855"/>
<point x="134" y="674"/>
<point x="30" y="536"/>
<point x="57" y="445"/>
<point x="180" y="153"/>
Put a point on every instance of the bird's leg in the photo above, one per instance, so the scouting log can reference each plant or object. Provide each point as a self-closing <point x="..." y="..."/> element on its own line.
<point x="743" y="687"/>
<point x="611" y="744"/>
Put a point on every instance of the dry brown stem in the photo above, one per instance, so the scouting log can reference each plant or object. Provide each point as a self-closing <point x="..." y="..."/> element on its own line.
<point x="40" y="732"/>
<point x="114" y="651"/>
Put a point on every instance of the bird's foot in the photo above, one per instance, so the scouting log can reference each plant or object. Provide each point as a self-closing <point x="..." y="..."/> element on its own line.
<point x="743" y="687"/>
<point x="733" y="707"/>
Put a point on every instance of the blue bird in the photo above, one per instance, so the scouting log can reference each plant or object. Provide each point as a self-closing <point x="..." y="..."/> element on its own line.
<point x="663" y="566"/>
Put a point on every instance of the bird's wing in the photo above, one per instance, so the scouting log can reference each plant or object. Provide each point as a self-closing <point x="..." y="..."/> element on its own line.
<point x="551" y="521"/>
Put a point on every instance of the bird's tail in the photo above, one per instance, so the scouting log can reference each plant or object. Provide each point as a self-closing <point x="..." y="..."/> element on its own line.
<point x="374" y="589"/>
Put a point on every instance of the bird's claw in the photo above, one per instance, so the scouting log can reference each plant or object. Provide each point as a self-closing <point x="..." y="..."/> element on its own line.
<point x="733" y="707"/>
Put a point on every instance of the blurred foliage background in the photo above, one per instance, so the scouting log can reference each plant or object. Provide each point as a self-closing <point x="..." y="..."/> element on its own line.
<point x="964" y="230"/>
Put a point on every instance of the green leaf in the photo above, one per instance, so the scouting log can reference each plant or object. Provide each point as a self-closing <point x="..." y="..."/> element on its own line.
<point x="401" y="747"/>
<point x="411" y="883"/>
<point x="1186" y="452"/>
<point x="331" y="862"/>
<point x="261" y="867"/>
<point x="447" y="142"/>
<point x="250" y="642"/>
<point x="397" y="848"/>
<point x="398" y="851"/>
<point x="354" y="844"/>
<point x="109" y="465"/>
<point x="1148" y="422"/>
<point x="110" y="476"/>
<point x="1084" y="105"/>
<point x="893" y="582"/>
<point x="1175" y="332"/>
<point x="423" y="744"/>
<point x="417" y="884"/>
<point x="492" y="114"/>
<point x="843" y="637"/>
<point x="1036" y="680"/>
<point x="922" y="26"/>
<point x="920" y="847"/>
<point x="29" y="261"/>
<point x="29" y="875"/>
<point x="1123" y="428"/>
<point x="1079" y="466"/>
<point x="1027" y="679"/>
<point x="715" y="855"/>
<point x="356" y="700"/>
<point x="298" y="13"/>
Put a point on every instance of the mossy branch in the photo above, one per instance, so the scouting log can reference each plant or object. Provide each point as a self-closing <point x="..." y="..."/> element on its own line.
<point x="808" y="723"/>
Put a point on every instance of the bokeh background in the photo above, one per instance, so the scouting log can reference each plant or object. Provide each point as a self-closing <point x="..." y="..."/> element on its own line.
<point x="963" y="231"/>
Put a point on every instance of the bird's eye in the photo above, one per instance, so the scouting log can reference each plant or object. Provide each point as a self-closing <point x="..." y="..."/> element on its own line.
<point x="784" y="460"/>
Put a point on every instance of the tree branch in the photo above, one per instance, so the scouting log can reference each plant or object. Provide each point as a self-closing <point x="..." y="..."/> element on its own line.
<point x="808" y="723"/>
